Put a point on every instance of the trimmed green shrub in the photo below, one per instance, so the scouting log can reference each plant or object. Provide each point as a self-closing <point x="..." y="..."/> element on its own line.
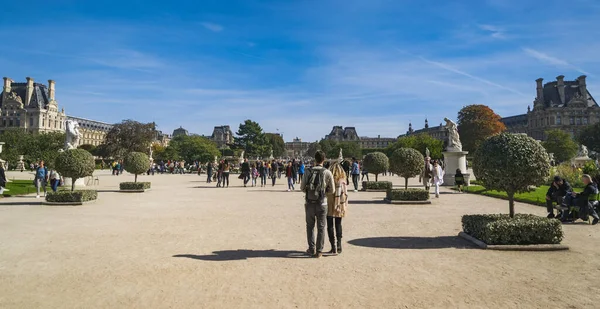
<point x="75" y="164"/>
<point x="412" y="194"/>
<point x="523" y="229"/>
<point x="511" y="163"/>
<point x="136" y="163"/>
<point x="376" y="163"/>
<point x="72" y="196"/>
<point x="376" y="185"/>
<point x="134" y="185"/>
<point x="406" y="163"/>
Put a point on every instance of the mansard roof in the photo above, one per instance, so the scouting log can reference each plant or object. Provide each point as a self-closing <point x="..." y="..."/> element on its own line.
<point x="39" y="98"/>
<point x="572" y="90"/>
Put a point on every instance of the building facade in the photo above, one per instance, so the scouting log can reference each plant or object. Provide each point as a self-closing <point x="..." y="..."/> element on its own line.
<point x="437" y="132"/>
<point x="93" y="132"/>
<point x="296" y="148"/>
<point x="222" y="136"/>
<point x="349" y="134"/>
<point x="31" y="106"/>
<point x="180" y="131"/>
<point x="560" y="104"/>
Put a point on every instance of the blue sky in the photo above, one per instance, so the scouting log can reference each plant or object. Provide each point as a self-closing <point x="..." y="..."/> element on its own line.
<point x="299" y="67"/>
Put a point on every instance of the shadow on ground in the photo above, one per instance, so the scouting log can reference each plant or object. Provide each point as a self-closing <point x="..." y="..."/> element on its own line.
<point x="32" y="203"/>
<point x="234" y="255"/>
<point x="377" y="201"/>
<point x="440" y="242"/>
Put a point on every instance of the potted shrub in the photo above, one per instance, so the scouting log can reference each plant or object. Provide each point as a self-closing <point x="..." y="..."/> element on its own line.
<point x="512" y="163"/>
<point x="74" y="164"/>
<point x="135" y="163"/>
<point x="406" y="163"/>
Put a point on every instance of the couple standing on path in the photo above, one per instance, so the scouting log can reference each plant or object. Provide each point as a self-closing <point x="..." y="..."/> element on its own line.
<point x="326" y="201"/>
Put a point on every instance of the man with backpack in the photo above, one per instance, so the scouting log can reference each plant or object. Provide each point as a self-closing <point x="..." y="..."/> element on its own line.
<point x="316" y="183"/>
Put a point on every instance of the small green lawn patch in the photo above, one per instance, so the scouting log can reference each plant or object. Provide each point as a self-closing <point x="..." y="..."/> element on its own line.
<point x="20" y="187"/>
<point x="537" y="197"/>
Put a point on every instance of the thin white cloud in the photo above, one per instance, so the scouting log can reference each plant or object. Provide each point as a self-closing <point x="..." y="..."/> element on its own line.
<point x="477" y="78"/>
<point x="495" y="31"/>
<point x="212" y="26"/>
<point x="543" y="57"/>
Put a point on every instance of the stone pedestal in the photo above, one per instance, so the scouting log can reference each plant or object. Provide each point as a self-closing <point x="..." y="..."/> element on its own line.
<point x="454" y="160"/>
<point x="78" y="183"/>
<point x="581" y="161"/>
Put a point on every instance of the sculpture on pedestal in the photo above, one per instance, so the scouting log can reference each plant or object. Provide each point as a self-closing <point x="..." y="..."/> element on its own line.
<point x="583" y="152"/>
<point x="72" y="135"/>
<point x="241" y="158"/>
<point x="454" y="143"/>
<point x="341" y="156"/>
<point x="271" y="155"/>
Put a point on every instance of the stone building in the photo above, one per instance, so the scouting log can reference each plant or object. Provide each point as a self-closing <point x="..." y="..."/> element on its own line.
<point x="348" y="134"/>
<point x="93" y="132"/>
<point x="560" y="104"/>
<point x="31" y="106"/>
<point x="180" y="131"/>
<point x="437" y="132"/>
<point x="222" y="136"/>
<point x="296" y="148"/>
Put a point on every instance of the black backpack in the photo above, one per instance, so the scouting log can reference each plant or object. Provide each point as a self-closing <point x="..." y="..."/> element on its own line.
<point x="315" y="185"/>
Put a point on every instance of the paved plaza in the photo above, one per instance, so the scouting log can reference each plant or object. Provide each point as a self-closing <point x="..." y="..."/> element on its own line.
<point x="186" y="244"/>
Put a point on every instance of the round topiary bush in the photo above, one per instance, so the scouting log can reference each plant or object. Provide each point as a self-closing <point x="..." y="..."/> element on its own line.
<point x="376" y="163"/>
<point x="136" y="163"/>
<point x="511" y="163"/>
<point x="407" y="163"/>
<point x="75" y="164"/>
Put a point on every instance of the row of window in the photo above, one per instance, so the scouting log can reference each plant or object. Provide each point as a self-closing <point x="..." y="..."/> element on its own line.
<point x="551" y="121"/>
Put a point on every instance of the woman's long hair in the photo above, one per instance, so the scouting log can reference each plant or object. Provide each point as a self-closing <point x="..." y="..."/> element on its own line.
<point x="338" y="172"/>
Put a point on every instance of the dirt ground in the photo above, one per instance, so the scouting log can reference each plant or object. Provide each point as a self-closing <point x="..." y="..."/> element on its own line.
<point x="186" y="244"/>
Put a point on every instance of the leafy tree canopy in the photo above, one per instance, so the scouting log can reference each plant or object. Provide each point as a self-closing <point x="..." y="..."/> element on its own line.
<point x="252" y="139"/>
<point x="407" y="163"/>
<point x="590" y="137"/>
<point x="136" y="163"/>
<point x="560" y="144"/>
<point x="376" y="163"/>
<point x="419" y="142"/>
<point x="332" y="149"/>
<point x="75" y="164"/>
<point x="511" y="163"/>
<point x="129" y="136"/>
<point x="34" y="147"/>
<point x="476" y="123"/>
<point x="190" y="149"/>
<point x="277" y="144"/>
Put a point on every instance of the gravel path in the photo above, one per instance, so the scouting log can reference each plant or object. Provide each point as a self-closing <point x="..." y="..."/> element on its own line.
<point x="186" y="244"/>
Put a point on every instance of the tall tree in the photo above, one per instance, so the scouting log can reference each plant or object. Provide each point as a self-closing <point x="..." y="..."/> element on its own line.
<point x="560" y="144"/>
<point x="251" y="138"/>
<point x="277" y="144"/>
<point x="590" y="137"/>
<point x="129" y="136"/>
<point x="33" y="147"/>
<point x="192" y="148"/>
<point x="420" y="142"/>
<point x="476" y="123"/>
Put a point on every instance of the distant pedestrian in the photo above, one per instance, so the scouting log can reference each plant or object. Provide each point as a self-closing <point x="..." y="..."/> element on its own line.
<point x="289" y="173"/>
<point x="41" y="178"/>
<point x="355" y="173"/>
<point x="438" y="177"/>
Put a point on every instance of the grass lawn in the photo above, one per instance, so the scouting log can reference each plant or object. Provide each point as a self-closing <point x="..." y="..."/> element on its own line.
<point x="537" y="197"/>
<point x="20" y="187"/>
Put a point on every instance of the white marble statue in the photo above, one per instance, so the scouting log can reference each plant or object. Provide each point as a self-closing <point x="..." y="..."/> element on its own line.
<point x="341" y="156"/>
<point x="583" y="152"/>
<point x="453" y="137"/>
<point x="427" y="153"/>
<point x="72" y="135"/>
<point x="271" y="155"/>
<point x="241" y="159"/>
<point x="216" y="160"/>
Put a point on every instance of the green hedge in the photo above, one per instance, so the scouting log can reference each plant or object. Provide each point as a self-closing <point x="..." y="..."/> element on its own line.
<point x="412" y="194"/>
<point x="523" y="229"/>
<point x="134" y="185"/>
<point x="72" y="196"/>
<point x="376" y="185"/>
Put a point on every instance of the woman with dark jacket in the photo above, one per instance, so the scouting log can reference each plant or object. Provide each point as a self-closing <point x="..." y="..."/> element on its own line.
<point x="582" y="199"/>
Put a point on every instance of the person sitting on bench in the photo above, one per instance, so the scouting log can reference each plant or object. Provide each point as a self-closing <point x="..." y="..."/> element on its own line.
<point x="583" y="200"/>
<point x="556" y="193"/>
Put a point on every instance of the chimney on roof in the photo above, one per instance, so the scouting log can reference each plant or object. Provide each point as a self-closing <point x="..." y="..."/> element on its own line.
<point x="540" y="89"/>
<point x="7" y="86"/>
<point x="561" y="88"/>
<point x="426" y="124"/>
<point x="29" y="92"/>
<point x="51" y="84"/>
<point x="583" y="86"/>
